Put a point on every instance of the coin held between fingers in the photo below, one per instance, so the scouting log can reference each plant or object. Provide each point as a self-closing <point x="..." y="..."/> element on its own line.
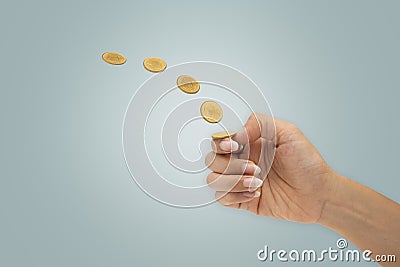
<point x="223" y="135"/>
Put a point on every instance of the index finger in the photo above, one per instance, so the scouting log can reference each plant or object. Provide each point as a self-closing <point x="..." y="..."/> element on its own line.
<point x="257" y="126"/>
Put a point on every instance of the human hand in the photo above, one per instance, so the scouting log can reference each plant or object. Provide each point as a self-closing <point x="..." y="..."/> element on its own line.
<point x="293" y="184"/>
<point x="270" y="168"/>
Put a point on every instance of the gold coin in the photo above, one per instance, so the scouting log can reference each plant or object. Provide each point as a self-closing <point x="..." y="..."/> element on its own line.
<point x="211" y="111"/>
<point x="154" y="64"/>
<point x="114" y="58"/>
<point x="223" y="134"/>
<point x="188" y="84"/>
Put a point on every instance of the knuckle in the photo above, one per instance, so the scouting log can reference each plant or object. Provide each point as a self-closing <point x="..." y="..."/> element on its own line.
<point x="258" y="116"/>
<point x="292" y="127"/>
<point x="252" y="116"/>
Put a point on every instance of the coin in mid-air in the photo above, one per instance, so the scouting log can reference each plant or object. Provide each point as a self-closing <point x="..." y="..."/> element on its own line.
<point x="223" y="134"/>
<point x="211" y="111"/>
<point x="188" y="84"/>
<point x="154" y="64"/>
<point x="113" y="58"/>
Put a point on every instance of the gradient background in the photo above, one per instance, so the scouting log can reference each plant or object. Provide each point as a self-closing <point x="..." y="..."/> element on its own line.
<point x="66" y="197"/>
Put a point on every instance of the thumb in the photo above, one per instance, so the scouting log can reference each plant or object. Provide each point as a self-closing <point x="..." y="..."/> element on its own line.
<point x="257" y="126"/>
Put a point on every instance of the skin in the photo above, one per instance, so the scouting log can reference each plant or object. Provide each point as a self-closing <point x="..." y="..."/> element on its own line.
<point x="270" y="168"/>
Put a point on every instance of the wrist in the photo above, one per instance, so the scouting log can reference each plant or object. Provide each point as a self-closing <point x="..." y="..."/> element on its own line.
<point x="363" y="216"/>
<point x="335" y="199"/>
<point x="353" y="208"/>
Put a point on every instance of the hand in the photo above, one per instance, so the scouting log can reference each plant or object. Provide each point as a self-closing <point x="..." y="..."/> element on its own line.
<point x="270" y="168"/>
<point x="292" y="185"/>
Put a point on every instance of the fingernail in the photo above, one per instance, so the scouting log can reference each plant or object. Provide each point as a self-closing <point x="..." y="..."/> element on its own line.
<point x="251" y="168"/>
<point x="248" y="194"/>
<point x="251" y="194"/>
<point x="252" y="182"/>
<point x="257" y="170"/>
<point x="228" y="145"/>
